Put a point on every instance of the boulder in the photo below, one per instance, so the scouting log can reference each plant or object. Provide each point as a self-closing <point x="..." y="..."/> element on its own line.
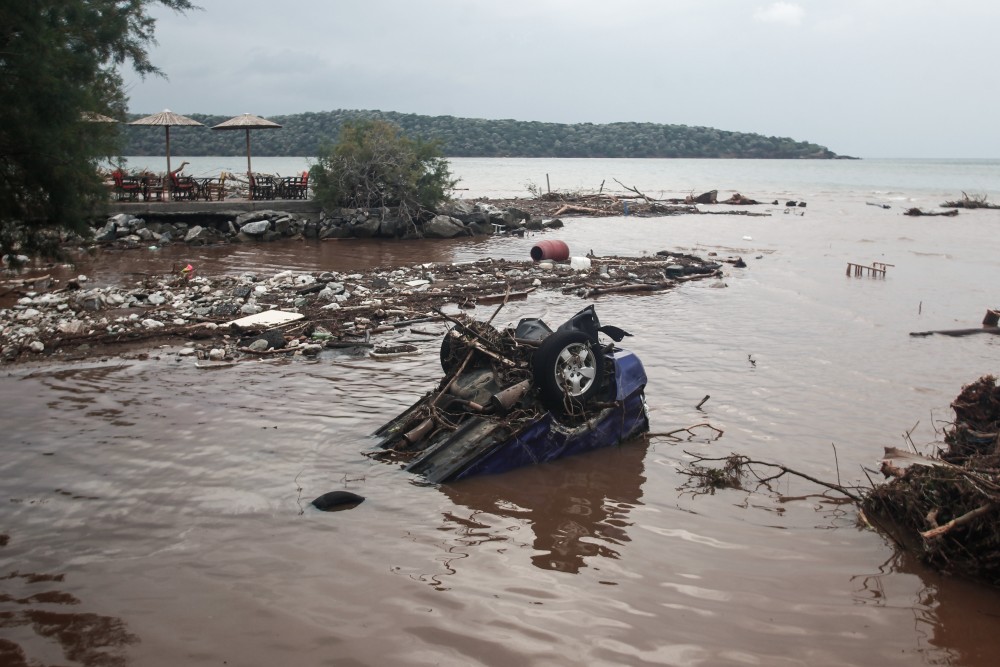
<point x="443" y="227"/>
<point x="256" y="228"/>
<point x="198" y="235"/>
<point x="107" y="233"/>
<point x="460" y="209"/>
<point x="366" y="228"/>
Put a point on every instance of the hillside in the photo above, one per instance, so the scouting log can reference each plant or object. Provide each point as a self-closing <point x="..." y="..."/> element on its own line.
<point x="304" y="133"/>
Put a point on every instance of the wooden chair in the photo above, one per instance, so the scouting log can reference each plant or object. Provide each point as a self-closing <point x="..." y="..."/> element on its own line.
<point x="261" y="187"/>
<point x="213" y="188"/>
<point x="296" y="187"/>
<point x="152" y="187"/>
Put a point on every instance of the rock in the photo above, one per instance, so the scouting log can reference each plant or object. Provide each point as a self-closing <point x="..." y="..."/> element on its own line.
<point x="90" y="300"/>
<point x="156" y="299"/>
<point x="444" y="227"/>
<point x="304" y="279"/>
<point x="256" y="228"/>
<point x="366" y="228"/>
<point x="457" y="208"/>
<point x="198" y="235"/>
<point x="36" y="346"/>
<point x="269" y="339"/>
<point x="152" y="324"/>
<point x="186" y="352"/>
<point x="108" y="232"/>
<point x="337" y="500"/>
<point x="120" y="220"/>
<point x="71" y="327"/>
<point x="709" y="197"/>
<point x="217" y="354"/>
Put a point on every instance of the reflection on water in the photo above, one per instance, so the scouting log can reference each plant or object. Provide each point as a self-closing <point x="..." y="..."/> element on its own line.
<point x="577" y="509"/>
<point x="29" y="604"/>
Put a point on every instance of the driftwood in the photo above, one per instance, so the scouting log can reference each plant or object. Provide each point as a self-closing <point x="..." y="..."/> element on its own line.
<point x="990" y="322"/>
<point x="737" y="469"/>
<point x="975" y="201"/>
<point x="622" y="289"/>
<point x="739" y="200"/>
<point x="572" y="208"/>
<point x="916" y="212"/>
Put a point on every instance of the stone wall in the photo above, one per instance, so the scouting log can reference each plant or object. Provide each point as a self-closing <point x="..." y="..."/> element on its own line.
<point x="456" y="218"/>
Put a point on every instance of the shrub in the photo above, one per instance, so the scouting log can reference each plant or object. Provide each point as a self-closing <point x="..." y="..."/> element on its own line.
<point x="374" y="165"/>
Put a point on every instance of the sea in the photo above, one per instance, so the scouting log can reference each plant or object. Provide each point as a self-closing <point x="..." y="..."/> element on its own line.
<point x="157" y="513"/>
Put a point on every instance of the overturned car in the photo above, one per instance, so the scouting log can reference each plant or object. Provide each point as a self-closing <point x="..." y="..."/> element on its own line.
<point x="520" y="396"/>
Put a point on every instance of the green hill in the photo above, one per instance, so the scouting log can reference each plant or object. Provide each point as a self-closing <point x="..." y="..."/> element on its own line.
<point x="303" y="134"/>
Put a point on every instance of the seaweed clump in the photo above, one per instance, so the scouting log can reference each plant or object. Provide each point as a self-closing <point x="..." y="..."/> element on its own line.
<point x="944" y="507"/>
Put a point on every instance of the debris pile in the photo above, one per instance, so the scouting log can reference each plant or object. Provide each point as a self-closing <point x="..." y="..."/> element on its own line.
<point x="944" y="508"/>
<point x="338" y="310"/>
<point x="974" y="201"/>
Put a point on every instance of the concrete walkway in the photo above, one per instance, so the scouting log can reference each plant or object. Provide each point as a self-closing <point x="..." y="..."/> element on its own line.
<point x="227" y="207"/>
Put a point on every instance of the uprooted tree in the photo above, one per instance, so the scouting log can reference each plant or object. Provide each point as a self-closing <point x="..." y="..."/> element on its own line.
<point x="942" y="508"/>
<point x="373" y="165"/>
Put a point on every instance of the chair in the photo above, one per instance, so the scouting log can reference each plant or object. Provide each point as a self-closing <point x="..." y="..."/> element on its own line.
<point x="126" y="187"/>
<point x="261" y="187"/>
<point x="152" y="187"/>
<point x="183" y="187"/>
<point x="212" y="188"/>
<point x="296" y="187"/>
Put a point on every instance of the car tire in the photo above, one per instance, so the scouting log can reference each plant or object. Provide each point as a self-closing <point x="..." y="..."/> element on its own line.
<point x="568" y="369"/>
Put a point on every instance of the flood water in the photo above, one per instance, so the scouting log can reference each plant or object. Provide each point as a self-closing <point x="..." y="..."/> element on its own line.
<point x="157" y="514"/>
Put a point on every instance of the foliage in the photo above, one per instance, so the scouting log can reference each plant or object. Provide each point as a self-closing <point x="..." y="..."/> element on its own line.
<point x="303" y="134"/>
<point x="58" y="62"/>
<point x="374" y="165"/>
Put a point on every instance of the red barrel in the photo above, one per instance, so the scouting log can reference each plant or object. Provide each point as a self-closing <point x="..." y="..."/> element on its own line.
<point x="557" y="251"/>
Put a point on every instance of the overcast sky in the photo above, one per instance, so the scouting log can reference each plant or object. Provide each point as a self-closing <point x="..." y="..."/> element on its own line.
<point x="870" y="78"/>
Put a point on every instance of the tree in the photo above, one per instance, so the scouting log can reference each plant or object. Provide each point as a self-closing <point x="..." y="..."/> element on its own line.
<point x="59" y="63"/>
<point x="373" y="165"/>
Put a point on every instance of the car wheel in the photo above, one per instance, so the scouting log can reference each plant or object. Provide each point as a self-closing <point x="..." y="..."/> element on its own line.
<point x="567" y="367"/>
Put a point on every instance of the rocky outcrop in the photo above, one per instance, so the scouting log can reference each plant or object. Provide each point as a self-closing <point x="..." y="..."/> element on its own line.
<point x="454" y="218"/>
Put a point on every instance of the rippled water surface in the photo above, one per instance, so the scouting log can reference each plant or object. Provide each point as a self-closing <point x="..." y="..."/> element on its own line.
<point x="157" y="514"/>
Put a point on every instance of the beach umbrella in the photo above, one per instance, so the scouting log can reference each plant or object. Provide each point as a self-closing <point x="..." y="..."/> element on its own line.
<point x="246" y="122"/>
<point x="167" y="119"/>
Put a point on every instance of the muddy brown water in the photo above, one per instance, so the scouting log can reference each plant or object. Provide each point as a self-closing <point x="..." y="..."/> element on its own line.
<point x="157" y="514"/>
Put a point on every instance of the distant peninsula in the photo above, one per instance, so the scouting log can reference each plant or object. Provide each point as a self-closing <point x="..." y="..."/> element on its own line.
<point x="304" y="134"/>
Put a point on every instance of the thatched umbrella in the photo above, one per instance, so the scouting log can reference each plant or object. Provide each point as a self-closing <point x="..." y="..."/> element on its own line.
<point x="246" y="122"/>
<point x="166" y="118"/>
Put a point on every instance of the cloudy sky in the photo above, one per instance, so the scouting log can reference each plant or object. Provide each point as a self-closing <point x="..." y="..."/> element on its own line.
<point x="870" y="78"/>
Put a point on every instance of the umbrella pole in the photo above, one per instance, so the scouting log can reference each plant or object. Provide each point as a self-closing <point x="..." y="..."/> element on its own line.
<point x="248" y="151"/>
<point x="166" y="181"/>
